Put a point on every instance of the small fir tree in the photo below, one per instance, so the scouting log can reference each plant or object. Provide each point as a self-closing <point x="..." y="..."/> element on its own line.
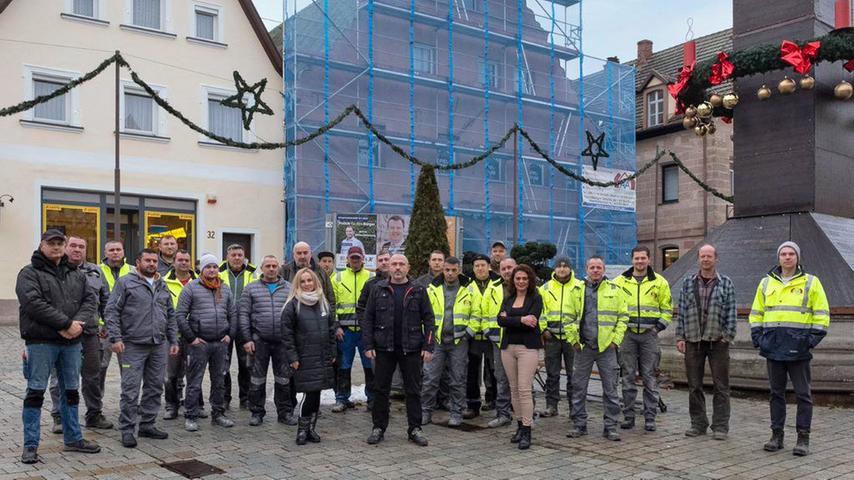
<point x="427" y="228"/>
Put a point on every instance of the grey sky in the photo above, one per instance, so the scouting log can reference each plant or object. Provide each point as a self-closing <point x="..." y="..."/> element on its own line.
<point x="610" y="27"/>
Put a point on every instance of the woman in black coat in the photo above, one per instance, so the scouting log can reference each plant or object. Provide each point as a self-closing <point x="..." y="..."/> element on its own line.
<point x="309" y="337"/>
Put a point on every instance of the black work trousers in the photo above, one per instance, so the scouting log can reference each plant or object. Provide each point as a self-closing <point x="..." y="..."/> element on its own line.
<point x="410" y="368"/>
<point x="799" y="373"/>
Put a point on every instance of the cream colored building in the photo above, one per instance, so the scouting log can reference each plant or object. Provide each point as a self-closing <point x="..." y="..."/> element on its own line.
<point x="57" y="160"/>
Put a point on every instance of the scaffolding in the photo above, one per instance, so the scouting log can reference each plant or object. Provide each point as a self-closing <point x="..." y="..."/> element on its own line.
<point x="444" y="79"/>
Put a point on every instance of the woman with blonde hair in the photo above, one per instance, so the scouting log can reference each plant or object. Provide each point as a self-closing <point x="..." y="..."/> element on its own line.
<point x="309" y="337"/>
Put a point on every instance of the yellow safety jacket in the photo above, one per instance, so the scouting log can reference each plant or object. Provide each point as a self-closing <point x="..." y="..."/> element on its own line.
<point x="649" y="302"/>
<point x="108" y="273"/>
<point x="612" y="314"/>
<point x="248" y="274"/>
<point x="466" y="311"/>
<point x="787" y="320"/>
<point x="348" y="286"/>
<point x="175" y="286"/>
<point x="490" y="307"/>
<point x="557" y="304"/>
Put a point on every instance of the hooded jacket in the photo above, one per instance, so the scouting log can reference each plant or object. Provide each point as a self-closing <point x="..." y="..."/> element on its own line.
<point x="201" y="315"/>
<point x="51" y="297"/>
<point x="141" y="313"/>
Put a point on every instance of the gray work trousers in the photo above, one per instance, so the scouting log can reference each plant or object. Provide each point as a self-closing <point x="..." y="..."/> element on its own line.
<point x="211" y="355"/>
<point x="609" y="374"/>
<point x="502" y="395"/>
<point x="639" y="353"/>
<point x="558" y="353"/>
<point x="90" y="385"/>
<point x="106" y="355"/>
<point x="454" y="359"/>
<point x="141" y="365"/>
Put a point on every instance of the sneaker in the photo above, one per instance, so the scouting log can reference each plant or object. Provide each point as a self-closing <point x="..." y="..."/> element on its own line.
<point x="82" y="446"/>
<point x="190" y="425"/>
<point x="577" y="432"/>
<point x="550" y="411"/>
<point x="611" y="435"/>
<point x="695" y="432"/>
<point x="455" y="420"/>
<point x="256" y="420"/>
<point x="488" y="407"/>
<point x="100" y="422"/>
<point x="649" y="425"/>
<point x="128" y="440"/>
<point x="30" y="455"/>
<point x="499" y="422"/>
<point x="426" y="418"/>
<point x="470" y="413"/>
<point x="57" y="426"/>
<point x="171" y="413"/>
<point x="222" y="421"/>
<point x="376" y="436"/>
<point x="153" y="432"/>
<point x="339" y="407"/>
<point x="628" y="424"/>
<point x="719" y="435"/>
<point x="417" y="437"/>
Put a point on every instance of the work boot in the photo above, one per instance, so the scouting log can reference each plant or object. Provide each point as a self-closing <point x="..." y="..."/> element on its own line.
<point x="455" y="420"/>
<point x="289" y="418"/>
<point x="82" y="446"/>
<point x="628" y="423"/>
<point x="191" y="425"/>
<point x="57" y="425"/>
<point x="303" y="425"/>
<point x="802" y="448"/>
<point x="577" y="431"/>
<point x="256" y="420"/>
<point x="695" y="432"/>
<point x="719" y="435"/>
<point x="611" y="435"/>
<point x="417" y="437"/>
<point x="30" y="455"/>
<point x="376" y="436"/>
<point x="525" y="438"/>
<point x="222" y="421"/>
<point x="339" y="407"/>
<point x="426" y="418"/>
<point x="776" y="442"/>
<point x="518" y="435"/>
<point x="469" y="413"/>
<point x="171" y="412"/>
<point x="153" y="432"/>
<point x="128" y="440"/>
<point x="100" y="422"/>
<point x="499" y="422"/>
<point x="550" y="411"/>
<point x="649" y="425"/>
<point x="313" y="436"/>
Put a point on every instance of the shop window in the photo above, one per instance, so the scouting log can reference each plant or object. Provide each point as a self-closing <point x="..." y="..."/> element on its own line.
<point x="669" y="256"/>
<point x="179" y="225"/>
<point x="83" y="222"/>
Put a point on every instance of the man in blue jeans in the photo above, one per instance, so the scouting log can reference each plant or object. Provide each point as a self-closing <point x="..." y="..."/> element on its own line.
<point x="55" y="303"/>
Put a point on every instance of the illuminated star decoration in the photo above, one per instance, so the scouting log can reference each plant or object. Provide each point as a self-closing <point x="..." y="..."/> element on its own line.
<point x="600" y="149"/>
<point x="255" y="106"/>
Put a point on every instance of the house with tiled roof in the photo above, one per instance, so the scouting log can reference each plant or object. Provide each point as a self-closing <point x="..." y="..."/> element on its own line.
<point x="673" y="212"/>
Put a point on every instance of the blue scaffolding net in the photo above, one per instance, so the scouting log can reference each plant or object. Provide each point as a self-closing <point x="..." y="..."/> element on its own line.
<point x="444" y="79"/>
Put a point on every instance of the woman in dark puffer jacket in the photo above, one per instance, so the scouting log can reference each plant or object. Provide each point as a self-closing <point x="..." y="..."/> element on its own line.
<point x="309" y="337"/>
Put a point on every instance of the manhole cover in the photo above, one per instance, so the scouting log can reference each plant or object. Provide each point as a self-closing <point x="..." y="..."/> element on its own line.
<point x="192" y="468"/>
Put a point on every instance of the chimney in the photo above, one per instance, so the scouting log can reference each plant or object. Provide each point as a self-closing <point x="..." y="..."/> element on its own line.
<point x="644" y="51"/>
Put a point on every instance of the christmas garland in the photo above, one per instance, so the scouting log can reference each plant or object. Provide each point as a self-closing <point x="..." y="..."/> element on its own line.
<point x="837" y="45"/>
<point x="352" y="109"/>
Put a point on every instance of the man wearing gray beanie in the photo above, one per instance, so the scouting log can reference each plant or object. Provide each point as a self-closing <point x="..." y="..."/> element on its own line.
<point x="789" y="318"/>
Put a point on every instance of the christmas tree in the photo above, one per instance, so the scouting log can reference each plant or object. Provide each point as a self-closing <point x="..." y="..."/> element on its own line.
<point x="427" y="229"/>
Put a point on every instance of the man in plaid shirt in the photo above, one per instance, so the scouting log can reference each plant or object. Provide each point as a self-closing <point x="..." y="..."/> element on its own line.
<point x="705" y="326"/>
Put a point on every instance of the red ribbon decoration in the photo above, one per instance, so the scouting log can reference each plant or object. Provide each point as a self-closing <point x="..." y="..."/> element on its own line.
<point x="722" y="70"/>
<point x="849" y="65"/>
<point x="676" y="88"/>
<point x="726" y="120"/>
<point x="800" y="58"/>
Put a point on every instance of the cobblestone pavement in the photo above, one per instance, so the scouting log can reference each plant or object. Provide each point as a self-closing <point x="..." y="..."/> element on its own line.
<point x="473" y="452"/>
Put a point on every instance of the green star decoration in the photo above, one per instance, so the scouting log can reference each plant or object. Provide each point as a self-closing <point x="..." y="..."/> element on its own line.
<point x="247" y="111"/>
<point x="600" y="149"/>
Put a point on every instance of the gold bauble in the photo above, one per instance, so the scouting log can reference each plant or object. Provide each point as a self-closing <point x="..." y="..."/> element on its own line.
<point x="716" y="100"/>
<point x="700" y="130"/>
<point x="689" y="122"/>
<point x="787" y="86"/>
<point x="704" y="110"/>
<point x="730" y="100"/>
<point x="764" y="93"/>
<point x="711" y="129"/>
<point x="690" y="112"/>
<point x="807" y="82"/>
<point x="843" y="90"/>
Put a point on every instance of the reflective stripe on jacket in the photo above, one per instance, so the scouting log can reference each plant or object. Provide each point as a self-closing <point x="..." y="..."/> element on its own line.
<point x="649" y="302"/>
<point x="490" y="306"/>
<point x="557" y="303"/>
<point x="612" y="310"/>
<point x="348" y="286"/>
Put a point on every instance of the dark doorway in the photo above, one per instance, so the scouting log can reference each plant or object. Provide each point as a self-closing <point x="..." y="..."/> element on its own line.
<point x="244" y="239"/>
<point x="128" y="229"/>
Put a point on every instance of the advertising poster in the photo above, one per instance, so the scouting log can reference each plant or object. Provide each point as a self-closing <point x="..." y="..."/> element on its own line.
<point x="391" y="232"/>
<point x="620" y="198"/>
<point x="355" y="230"/>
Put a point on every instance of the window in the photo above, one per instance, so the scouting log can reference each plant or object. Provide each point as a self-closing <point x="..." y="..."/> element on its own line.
<point x="222" y="120"/>
<point x="55" y="109"/>
<point x="654" y="108"/>
<point x="179" y="225"/>
<point x="84" y="8"/>
<point x="207" y="23"/>
<point x="424" y="59"/>
<point x="139" y="112"/>
<point x="527" y="80"/>
<point x="364" y="153"/>
<point x="473" y="5"/>
<point x="147" y="13"/>
<point x="495" y="169"/>
<point x="490" y="74"/>
<point x="669" y="255"/>
<point x="83" y="222"/>
<point x="669" y="184"/>
<point x="536" y="175"/>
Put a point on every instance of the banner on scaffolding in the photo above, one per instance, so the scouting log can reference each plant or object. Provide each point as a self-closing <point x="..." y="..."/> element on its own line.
<point x="621" y="198"/>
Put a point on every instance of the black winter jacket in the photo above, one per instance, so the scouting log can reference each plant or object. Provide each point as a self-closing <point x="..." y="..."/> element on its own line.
<point x="199" y="314"/>
<point x="260" y="311"/>
<point x="51" y="297"/>
<point x="378" y="322"/>
<point x="309" y="337"/>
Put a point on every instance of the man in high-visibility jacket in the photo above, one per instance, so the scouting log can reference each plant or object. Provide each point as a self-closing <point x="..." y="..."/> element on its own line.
<point x="176" y="278"/>
<point x="490" y="306"/>
<point x="456" y="314"/>
<point x="480" y="348"/>
<point x="236" y="272"/>
<point x="650" y="311"/>
<point x="557" y="300"/>
<point x="113" y="267"/>
<point x="789" y="317"/>
<point x="595" y="328"/>
<point x="348" y="285"/>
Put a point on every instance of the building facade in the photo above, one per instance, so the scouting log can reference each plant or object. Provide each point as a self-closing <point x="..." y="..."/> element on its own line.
<point x="674" y="213"/>
<point x="58" y="158"/>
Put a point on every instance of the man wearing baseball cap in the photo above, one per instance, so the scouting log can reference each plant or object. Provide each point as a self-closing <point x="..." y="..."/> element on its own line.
<point x="789" y="318"/>
<point x="348" y="285"/>
<point x="326" y="260"/>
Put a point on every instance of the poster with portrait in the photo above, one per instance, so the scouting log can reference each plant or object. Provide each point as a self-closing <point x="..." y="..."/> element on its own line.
<point x="392" y="229"/>
<point x="355" y="230"/>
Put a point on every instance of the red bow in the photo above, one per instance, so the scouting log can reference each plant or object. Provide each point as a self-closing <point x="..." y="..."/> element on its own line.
<point x="800" y="58"/>
<point x="726" y="120"/>
<point x="849" y="65"/>
<point x="676" y="88"/>
<point x="722" y="70"/>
